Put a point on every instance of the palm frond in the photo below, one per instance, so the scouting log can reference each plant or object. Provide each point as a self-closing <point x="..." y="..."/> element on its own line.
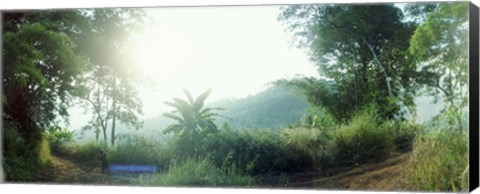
<point x="200" y="100"/>
<point x="174" y="117"/>
<point x="175" y="128"/>
<point x="189" y="95"/>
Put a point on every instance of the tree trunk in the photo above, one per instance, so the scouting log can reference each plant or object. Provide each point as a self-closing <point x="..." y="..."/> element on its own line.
<point x="104" y="133"/>
<point x="114" y="108"/>
<point x="356" y="88"/>
<point x="384" y="69"/>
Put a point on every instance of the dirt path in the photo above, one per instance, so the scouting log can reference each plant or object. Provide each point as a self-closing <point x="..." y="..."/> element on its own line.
<point x="64" y="170"/>
<point x="383" y="176"/>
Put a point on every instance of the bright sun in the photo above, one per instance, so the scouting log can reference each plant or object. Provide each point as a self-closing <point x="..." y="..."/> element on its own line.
<point x="160" y="55"/>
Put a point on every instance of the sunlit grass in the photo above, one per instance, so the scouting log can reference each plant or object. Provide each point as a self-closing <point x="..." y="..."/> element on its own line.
<point x="195" y="173"/>
<point x="439" y="162"/>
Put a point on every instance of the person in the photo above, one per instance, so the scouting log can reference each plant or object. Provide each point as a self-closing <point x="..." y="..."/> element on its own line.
<point x="103" y="159"/>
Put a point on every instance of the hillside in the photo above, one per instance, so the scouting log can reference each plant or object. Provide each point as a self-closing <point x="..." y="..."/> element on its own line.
<point x="272" y="108"/>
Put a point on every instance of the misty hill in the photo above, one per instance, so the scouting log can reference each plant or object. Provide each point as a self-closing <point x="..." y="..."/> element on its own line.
<point x="272" y="108"/>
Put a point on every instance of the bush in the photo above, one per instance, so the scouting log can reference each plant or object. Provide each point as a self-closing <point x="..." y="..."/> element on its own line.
<point x="58" y="137"/>
<point x="88" y="151"/>
<point x="19" y="163"/>
<point x="261" y="151"/>
<point x="42" y="149"/>
<point x="439" y="162"/>
<point x="256" y="152"/>
<point x="22" y="160"/>
<point x="309" y="145"/>
<point x="195" y="173"/>
<point x="403" y="133"/>
<point x="136" y="149"/>
<point x="362" y="140"/>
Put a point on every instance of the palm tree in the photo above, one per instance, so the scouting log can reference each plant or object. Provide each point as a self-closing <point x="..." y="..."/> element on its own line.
<point x="191" y="116"/>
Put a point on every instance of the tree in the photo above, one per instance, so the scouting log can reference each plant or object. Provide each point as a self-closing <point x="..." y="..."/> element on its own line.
<point x="363" y="48"/>
<point x="109" y="86"/>
<point x="41" y="68"/>
<point x="194" y="122"/>
<point x="440" y="44"/>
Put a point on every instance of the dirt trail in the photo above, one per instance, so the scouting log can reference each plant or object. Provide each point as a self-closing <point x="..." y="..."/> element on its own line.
<point x="64" y="170"/>
<point x="382" y="176"/>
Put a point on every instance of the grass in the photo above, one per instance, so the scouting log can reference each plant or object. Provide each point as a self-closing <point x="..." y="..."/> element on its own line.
<point x="439" y="162"/>
<point x="362" y="140"/>
<point x="88" y="151"/>
<point x="232" y="157"/>
<point x="136" y="149"/>
<point x="195" y="173"/>
<point x="43" y="150"/>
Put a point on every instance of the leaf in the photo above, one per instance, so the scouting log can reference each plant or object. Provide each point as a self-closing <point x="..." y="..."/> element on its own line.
<point x="174" y="117"/>
<point x="189" y="96"/>
<point x="200" y="100"/>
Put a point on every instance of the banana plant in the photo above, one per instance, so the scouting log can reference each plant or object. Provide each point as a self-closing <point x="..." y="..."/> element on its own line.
<point x="191" y="115"/>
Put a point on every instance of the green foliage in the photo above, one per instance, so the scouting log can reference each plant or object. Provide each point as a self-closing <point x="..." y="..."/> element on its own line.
<point x="136" y="149"/>
<point x="58" y="137"/>
<point x="439" y="162"/>
<point x="257" y="151"/>
<point x="320" y="93"/>
<point x="42" y="149"/>
<point x="362" y="140"/>
<point x="194" y="123"/>
<point x="88" y="151"/>
<point x="192" y="117"/>
<point x="195" y="173"/>
<point x="20" y="162"/>
<point x="108" y="90"/>
<point x="272" y="108"/>
<point x="17" y="164"/>
<point x="308" y="144"/>
<point x="404" y="133"/>
<point x="40" y="67"/>
<point x="440" y="46"/>
<point x="360" y="50"/>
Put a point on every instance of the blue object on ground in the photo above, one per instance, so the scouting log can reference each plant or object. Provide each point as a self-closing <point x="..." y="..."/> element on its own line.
<point x="133" y="168"/>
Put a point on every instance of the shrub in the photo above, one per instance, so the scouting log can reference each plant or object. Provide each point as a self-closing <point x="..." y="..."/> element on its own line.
<point x="19" y="163"/>
<point x="22" y="160"/>
<point x="136" y="149"/>
<point x="42" y="148"/>
<point x="195" y="173"/>
<point x="309" y="145"/>
<point x="362" y="140"/>
<point x="58" y="137"/>
<point x="261" y="151"/>
<point x="88" y="151"/>
<point x="403" y="133"/>
<point x="439" y="162"/>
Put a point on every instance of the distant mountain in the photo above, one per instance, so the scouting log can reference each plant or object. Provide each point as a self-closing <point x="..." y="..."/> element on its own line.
<point x="272" y="108"/>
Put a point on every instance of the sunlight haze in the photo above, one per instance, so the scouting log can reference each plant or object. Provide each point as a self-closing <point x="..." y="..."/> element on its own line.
<point x="234" y="50"/>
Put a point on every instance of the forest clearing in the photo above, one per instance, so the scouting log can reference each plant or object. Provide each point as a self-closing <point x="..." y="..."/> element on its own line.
<point x="314" y="96"/>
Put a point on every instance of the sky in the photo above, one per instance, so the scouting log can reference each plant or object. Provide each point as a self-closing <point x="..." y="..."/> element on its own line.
<point x="235" y="50"/>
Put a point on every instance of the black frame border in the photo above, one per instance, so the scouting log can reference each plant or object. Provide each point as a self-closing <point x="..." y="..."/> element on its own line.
<point x="474" y="96"/>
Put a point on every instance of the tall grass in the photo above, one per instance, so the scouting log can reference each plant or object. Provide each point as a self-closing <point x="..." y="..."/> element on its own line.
<point x="439" y="162"/>
<point x="42" y="149"/>
<point x="308" y="144"/>
<point x="362" y="140"/>
<point x="137" y="149"/>
<point x="88" y="151"/>
<point x="195" y="173"/>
